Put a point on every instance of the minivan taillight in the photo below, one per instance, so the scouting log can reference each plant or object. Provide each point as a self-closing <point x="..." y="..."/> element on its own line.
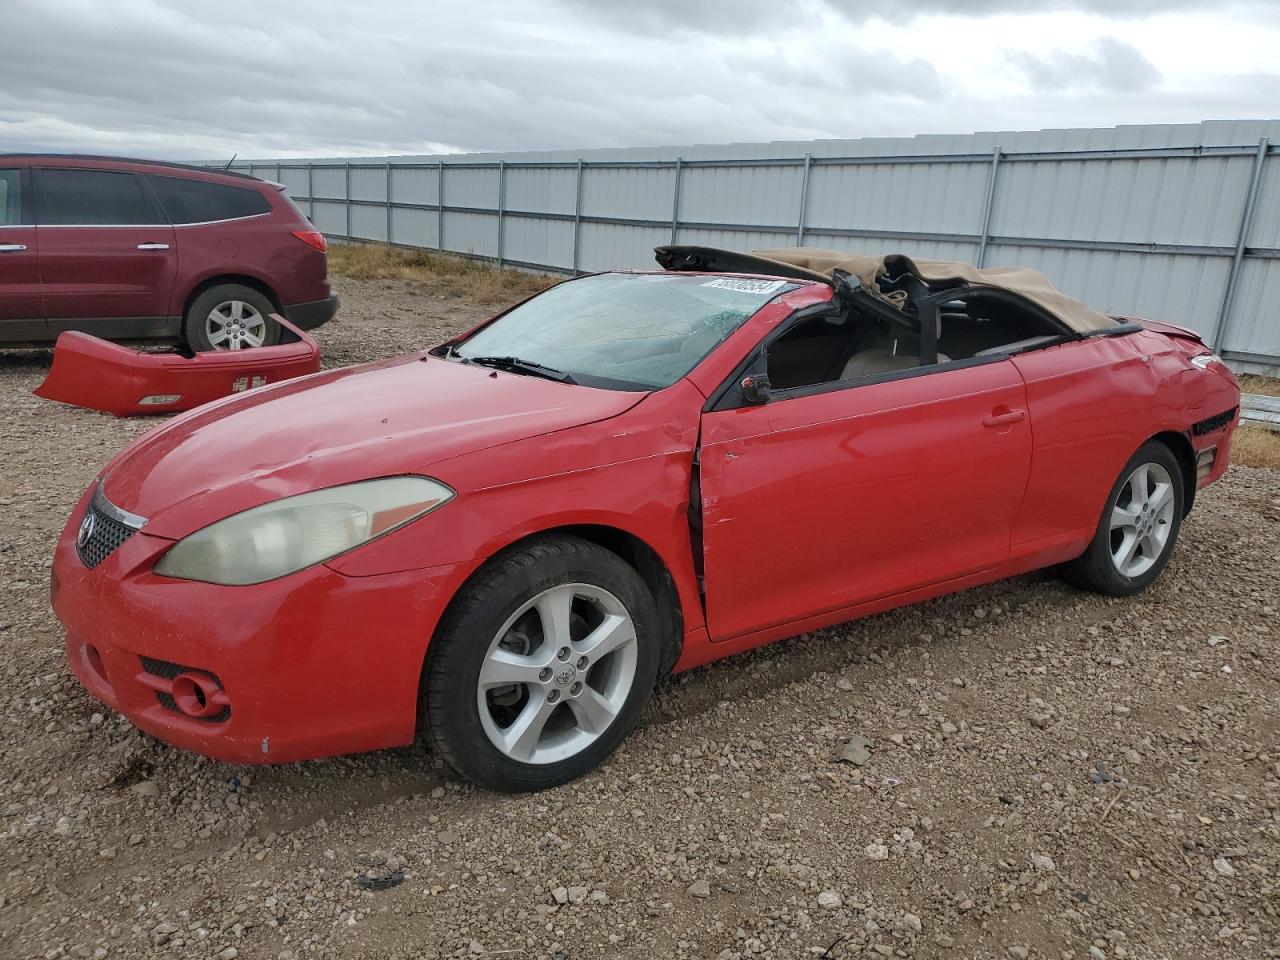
<point x="312" y="238"/>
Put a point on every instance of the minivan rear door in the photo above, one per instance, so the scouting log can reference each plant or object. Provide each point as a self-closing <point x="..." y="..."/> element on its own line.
<point x="21" y="308"/>
<point x="107" y="254"/>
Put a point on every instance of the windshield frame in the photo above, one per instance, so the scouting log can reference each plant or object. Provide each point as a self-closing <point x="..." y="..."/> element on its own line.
<point x="448" y="350"/>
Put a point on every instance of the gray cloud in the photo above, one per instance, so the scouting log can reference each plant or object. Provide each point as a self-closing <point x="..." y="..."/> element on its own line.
<point x="1112" y="67"/>
<point x="207" y="78"/>
<point x="739" y="17"/>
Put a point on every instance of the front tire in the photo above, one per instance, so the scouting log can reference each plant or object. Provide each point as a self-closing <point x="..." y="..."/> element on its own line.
<point x="230" y="316"/>
<point x="1138" y="528"/>
<point x="542" y="665"/>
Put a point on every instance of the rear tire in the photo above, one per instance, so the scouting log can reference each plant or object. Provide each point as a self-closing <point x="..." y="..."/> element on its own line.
<point x="230" y="316"/>
<point x="1138" y="527"/>
<point x="542" y="665"/>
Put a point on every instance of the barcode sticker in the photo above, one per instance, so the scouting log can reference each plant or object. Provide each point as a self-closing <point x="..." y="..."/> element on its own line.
<point x="746" y="286"/>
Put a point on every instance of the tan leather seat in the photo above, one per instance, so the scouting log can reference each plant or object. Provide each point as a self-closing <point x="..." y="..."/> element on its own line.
<point x="873" y="360"/>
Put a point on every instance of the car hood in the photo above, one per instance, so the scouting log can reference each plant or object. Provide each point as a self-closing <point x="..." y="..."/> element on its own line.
<point x="396" y="417"/>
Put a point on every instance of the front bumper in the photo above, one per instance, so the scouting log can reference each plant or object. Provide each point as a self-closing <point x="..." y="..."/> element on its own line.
<point x="311" y="665"/>
<point x="312" y="314"/>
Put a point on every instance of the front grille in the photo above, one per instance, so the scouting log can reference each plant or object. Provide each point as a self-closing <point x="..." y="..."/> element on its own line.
<point x="1213" y="423"/>
<point x="100" y="533"/>
<point x="169" y="671"/>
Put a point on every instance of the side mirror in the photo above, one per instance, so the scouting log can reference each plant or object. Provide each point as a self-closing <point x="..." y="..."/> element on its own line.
<point x="755" y="389"/>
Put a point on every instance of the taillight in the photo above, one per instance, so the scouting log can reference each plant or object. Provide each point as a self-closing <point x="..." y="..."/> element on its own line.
<point x="312" y="238"/>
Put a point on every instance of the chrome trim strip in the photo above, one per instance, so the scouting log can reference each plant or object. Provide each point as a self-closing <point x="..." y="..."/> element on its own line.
<point x="140" y="226"/>
<point x="130" y="520"/>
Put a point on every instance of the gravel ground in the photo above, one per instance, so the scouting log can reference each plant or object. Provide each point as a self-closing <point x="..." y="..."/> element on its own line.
<point x="1031" y="772"/>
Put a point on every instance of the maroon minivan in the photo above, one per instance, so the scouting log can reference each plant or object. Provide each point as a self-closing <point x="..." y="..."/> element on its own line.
<point x="140" y="250"/>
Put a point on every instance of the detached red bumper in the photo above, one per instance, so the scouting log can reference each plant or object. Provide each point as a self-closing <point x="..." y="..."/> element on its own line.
<point x="93" y="373"/>
<point x="312" y="665"/>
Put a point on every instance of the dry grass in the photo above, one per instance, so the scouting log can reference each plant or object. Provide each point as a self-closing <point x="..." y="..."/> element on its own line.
<point x="1253" y="446"/>
<point x="449" y="276"/>
<point x="1255" y="383"/>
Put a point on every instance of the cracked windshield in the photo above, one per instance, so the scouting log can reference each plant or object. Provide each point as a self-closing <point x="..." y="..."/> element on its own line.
<point x="622" y="330"/>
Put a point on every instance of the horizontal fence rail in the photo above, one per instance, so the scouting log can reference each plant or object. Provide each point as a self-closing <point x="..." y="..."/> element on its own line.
<point x="1188" y="234"/>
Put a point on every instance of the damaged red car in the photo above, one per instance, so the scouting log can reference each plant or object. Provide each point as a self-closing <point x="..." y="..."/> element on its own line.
<point x="503" y="542"/>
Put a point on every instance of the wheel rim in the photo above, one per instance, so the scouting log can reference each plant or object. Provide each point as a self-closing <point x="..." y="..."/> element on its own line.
<point x="1142" y="519"/>
<point x="557" y="674"/>
<point x="235" y="325"/>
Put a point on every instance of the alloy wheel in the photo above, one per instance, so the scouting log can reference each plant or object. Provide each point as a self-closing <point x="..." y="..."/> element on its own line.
<point x="235" y="325"/>
<point x="557" y="673"/>
<point x="1142" y="519"/>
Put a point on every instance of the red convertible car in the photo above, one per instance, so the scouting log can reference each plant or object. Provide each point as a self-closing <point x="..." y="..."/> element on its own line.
<point x="507" y="539"/>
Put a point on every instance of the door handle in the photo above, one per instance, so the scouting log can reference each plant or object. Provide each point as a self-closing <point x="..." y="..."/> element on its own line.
<point x="1004" y="419"/>
<point x="153" y="246"/>
<point x="12" y="247"/>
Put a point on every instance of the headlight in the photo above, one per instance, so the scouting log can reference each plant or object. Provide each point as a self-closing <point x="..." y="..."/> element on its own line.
<point x="281" y="537"/>
<point x="1205" y="360"/>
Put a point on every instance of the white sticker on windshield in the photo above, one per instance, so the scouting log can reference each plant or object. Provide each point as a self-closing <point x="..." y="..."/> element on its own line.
<point x="747" y="286"/>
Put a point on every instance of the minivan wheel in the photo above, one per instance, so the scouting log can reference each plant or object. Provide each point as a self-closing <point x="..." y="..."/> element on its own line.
<point x="1138" y="528"/>
<point x="542" y="665"/>
<point x="230" y="317"/>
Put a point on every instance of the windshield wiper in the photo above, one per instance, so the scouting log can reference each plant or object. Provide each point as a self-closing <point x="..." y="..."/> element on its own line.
<point x="516" y="365"/>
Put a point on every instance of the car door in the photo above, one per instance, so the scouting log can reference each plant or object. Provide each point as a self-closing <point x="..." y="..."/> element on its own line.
<point x="107" y="255"/>
<point x="830" y="496"/>
<point x="21" y="307"/>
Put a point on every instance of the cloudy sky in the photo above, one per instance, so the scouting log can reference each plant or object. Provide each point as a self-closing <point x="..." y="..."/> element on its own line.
<point x="280" y="78"/>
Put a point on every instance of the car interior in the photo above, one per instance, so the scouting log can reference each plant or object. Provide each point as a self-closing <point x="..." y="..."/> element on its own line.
<point x="868" y="336"/>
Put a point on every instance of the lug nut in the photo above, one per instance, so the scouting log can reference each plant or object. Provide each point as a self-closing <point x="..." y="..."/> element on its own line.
<point x="544" y="674"/>
<point x="582" y="663"/>
<point x="575" y="689"/>
<point x="553" y="696"/>
<point x="563" y="653"/>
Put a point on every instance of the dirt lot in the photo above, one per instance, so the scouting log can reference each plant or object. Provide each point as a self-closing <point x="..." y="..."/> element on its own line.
<point x="1051" y="774"/>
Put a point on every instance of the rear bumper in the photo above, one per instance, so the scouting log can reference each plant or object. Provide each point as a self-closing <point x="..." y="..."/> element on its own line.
<point x="311" y="665"/>
<point x="312" y="314"/>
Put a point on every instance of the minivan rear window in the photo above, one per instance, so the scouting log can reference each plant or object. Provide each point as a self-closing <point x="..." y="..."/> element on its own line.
<point x="74" y="197"/>
<point x="198" y="201"/>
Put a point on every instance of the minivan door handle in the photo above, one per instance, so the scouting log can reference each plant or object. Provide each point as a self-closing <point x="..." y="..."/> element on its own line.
<point x="153" y="246"/>
<point x="12" y="247"/>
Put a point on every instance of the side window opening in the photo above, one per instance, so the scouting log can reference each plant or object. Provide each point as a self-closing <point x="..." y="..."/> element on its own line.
<point x="869" y="338"/>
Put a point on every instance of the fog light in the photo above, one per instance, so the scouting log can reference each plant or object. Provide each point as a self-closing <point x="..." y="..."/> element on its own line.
<point x="197" y="695"/>
<point x="159" y="399"/>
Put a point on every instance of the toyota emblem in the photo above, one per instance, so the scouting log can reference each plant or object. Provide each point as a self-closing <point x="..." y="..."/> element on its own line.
<point x="87" y="526"/>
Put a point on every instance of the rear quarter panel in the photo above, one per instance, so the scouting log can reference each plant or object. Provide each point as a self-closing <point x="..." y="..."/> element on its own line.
<point x="1093" y="402"/>
<point x="262" y="247"/>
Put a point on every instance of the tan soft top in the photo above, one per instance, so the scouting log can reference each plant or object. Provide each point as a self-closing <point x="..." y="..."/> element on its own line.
<point x="939" y="274"/>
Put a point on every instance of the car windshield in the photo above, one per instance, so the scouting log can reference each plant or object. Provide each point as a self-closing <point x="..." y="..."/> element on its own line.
<point x="628" y="331"/>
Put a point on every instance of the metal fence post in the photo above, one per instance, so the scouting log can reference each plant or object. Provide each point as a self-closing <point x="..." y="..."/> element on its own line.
<point x="675" y="200"/>
<point x="1242" y="237"/>
<point x="986" y="211"/>
<point x="311" y="191"/>
<point x="388" y="200"/>
<point x="347" y="196"/>
<point x="502" y="208"/>
<point x="804" y="199"/>
<point x="440" y="206"/>
<point x="577" y="219"/>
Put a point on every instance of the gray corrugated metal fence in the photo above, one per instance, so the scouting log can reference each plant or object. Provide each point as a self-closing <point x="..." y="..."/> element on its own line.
<point x="1180" y="223"/>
